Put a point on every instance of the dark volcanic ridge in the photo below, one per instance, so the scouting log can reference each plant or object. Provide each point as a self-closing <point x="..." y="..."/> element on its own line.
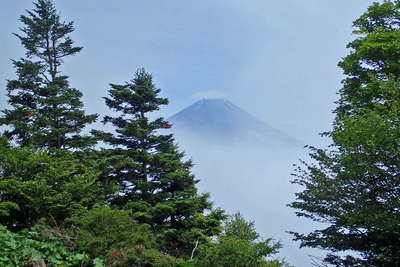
<point x="222" y="121"/>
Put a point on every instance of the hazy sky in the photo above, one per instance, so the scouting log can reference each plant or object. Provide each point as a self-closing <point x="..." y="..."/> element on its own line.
<point x="276" y="59"/>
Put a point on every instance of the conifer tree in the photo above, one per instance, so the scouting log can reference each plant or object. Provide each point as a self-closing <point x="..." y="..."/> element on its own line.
<point x="38" y="184"/>
<point x="45" y="111"/>
<point x="354" y="186"/>
<point x="157" y="183"/>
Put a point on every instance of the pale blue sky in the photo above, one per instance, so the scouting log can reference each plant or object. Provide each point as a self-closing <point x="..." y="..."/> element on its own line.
<point x="276" y="59"/>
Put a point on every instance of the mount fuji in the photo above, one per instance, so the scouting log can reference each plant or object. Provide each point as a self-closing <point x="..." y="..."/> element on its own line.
<point x="222" y="121"/>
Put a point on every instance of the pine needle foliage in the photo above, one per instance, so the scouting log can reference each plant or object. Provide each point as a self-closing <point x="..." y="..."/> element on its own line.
<point x="157" y="183"/>
<point x="45" y="111"/>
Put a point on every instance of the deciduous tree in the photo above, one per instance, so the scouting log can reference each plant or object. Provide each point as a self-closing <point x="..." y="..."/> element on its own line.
<point x="353" y="187"/>
<point x="238" y="245"/>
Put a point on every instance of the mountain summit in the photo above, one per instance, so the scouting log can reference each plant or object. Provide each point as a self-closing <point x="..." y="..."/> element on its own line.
<point x="221" y="120"/>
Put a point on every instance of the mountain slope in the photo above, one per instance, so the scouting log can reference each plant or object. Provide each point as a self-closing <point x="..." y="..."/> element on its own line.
<point x="222" y="121"/>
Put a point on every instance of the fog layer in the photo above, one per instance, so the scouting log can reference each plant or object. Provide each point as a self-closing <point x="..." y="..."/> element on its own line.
<point x="254" y="180"/>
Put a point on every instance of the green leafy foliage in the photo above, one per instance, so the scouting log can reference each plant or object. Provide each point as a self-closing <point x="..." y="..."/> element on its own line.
<point x="237" y="227"/>
<point x="140" y="256"/>
<point x="354" y="187"/>
<point x="36" y="185"/>
<point x="113" y="234"/>
<point x="30" y="246"/>
<point x="102" y="230"/>
<point x="238" y="245"/>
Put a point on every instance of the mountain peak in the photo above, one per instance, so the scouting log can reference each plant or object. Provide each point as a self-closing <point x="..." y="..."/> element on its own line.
<point x="218" y="118"/>
<point x="211" y="106"/>
<point x="214" y="101"/>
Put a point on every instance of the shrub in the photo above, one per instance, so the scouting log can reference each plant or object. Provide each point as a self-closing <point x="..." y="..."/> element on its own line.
<point x="30" y="246"/>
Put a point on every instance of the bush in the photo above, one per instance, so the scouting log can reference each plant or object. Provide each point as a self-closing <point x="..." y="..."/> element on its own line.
<point x="30" y="246"/>
<point x="43" y="184"/>
<point x="239" y="245"/>
<point x="140" y="256"/>
<point x="103" y="229"/>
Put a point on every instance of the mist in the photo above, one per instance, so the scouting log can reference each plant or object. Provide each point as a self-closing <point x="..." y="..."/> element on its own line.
<point x="254" y="180"/>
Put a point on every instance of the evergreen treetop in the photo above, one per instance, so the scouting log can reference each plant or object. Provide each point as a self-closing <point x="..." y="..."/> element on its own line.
<point x="45" y="112"/>
<point x="157" y="183"/>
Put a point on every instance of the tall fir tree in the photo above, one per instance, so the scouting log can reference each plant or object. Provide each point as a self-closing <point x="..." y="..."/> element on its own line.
<point x="45" y="112"/>
<point x="157" y="183"/>
<point x="354" y="186"/>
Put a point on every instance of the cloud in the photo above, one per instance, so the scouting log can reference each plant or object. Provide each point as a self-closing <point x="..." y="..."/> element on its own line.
<point x="208" y="95"/>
